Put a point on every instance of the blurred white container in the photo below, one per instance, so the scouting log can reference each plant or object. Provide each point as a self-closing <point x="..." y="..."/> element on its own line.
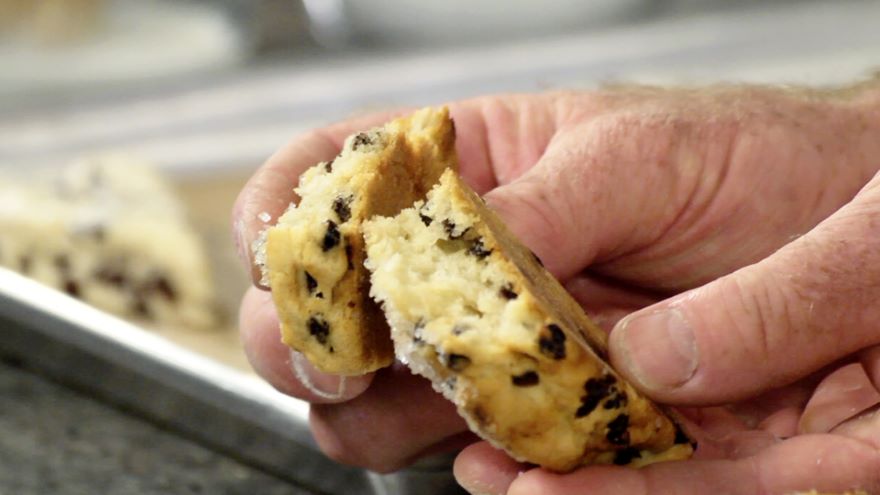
<point x="127" y="41"/>
<point x="429" y="22"/>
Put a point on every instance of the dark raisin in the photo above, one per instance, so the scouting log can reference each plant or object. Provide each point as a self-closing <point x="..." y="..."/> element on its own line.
<point x="617" y="400"/>
<point x="624" y="456"/>
<point x="596" y="389"/>
<point x="328" y="166"/>
<point x="25" y="262"/>
<point x="618" y="430"/>
<point x="319" y="329"/>
<point x="527" y="379"/>
<point x="680" y="437"/>
<point x="480" y="415"/>
<point x="457" y="362"/>
<point x="111" y="276"/>
<point x="331" y="349"/>
<point x="417" y="332"/>
<point x="348" y="255"/>
<point x="158" y="284"/>
<point x="553" y="345"/>
<point x="477" y="249"/>
<point x="311" y="283"/>
<point x="459" y="329"/>
<point x="62" y="263"/>
<point x="342" y="208"/>
<point x="331" y="237"/>
<point x="72" y="288"/>
<point x="449" y="383"/>
<point x="449" y="227"/>
<point x="537" y="259"/>
<point x="362" y="139"/>
<point x="584" y="409"/>
<point x="507" y="292"/>
<point x="425" y="219"/>
<point x="164" y="287"/>
<point x="140" y="307"/>
<point x="320" y="295"/>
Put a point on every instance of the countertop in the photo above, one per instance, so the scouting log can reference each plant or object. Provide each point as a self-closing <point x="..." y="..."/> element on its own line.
<point x="56" y="440"/>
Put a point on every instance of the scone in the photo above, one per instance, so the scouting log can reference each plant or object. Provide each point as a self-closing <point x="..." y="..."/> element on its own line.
<point x="313" y="257"/>
<point x="474" y="311"/>
<point x="110" y="231"/>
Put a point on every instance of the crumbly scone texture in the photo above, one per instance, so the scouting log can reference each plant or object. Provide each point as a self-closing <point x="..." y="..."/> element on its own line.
<point x="313" y="257"/>
<point x="110" y="231"/>
<point x="474" y="311"/>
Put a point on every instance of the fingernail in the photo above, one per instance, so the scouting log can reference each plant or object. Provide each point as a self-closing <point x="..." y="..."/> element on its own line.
<point x="242" y="246"/>
<point x="326" y="386"/>
<point x="658" y="348"/>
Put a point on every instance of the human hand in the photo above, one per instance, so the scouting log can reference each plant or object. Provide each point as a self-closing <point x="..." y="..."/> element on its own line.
<point x="804" y="311"/>
<point x="644" y="187"/>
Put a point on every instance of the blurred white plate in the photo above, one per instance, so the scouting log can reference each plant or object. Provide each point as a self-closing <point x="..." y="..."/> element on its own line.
<point x="138" y="40"/>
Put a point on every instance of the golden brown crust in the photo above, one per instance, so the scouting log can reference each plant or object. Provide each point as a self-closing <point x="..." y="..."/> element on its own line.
<point x="314" y="256"/>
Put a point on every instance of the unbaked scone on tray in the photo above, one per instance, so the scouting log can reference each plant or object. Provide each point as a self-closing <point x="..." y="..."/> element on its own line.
<point x="110" y="231"/>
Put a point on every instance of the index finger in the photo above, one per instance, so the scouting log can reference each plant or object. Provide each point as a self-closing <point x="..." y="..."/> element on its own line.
<point x="498" y="138"/>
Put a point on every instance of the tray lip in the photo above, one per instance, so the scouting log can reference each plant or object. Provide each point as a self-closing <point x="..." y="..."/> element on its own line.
<point x="137" y="349"/>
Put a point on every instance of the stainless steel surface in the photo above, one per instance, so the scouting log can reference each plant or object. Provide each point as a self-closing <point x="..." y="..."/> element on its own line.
<point x="219" y="406"/>
<point x="226" y="409"/>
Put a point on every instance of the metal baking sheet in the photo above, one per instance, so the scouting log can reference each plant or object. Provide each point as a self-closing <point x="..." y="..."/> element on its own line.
<point x="225" y="408"/>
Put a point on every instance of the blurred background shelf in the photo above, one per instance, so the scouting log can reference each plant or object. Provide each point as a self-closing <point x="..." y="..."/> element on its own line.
<point x="236" y="116"/>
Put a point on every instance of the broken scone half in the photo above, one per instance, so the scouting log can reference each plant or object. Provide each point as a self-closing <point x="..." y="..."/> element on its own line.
<point x="474" y="311"/>
<point x="313" y="257"/>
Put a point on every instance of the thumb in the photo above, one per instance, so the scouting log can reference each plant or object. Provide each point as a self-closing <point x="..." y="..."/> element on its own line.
<point x="812" y="302"/>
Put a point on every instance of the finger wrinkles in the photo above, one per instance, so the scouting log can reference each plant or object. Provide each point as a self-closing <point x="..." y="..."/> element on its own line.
<point x="834" y="272"/>
<point x="815" y="297"/>
<point x="529" y="212"/>
<point x="518" y="130"/>
<point x="827" y="463"/>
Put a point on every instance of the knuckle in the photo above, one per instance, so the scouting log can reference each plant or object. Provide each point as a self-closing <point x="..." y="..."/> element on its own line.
<point x="761" y="312"/>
